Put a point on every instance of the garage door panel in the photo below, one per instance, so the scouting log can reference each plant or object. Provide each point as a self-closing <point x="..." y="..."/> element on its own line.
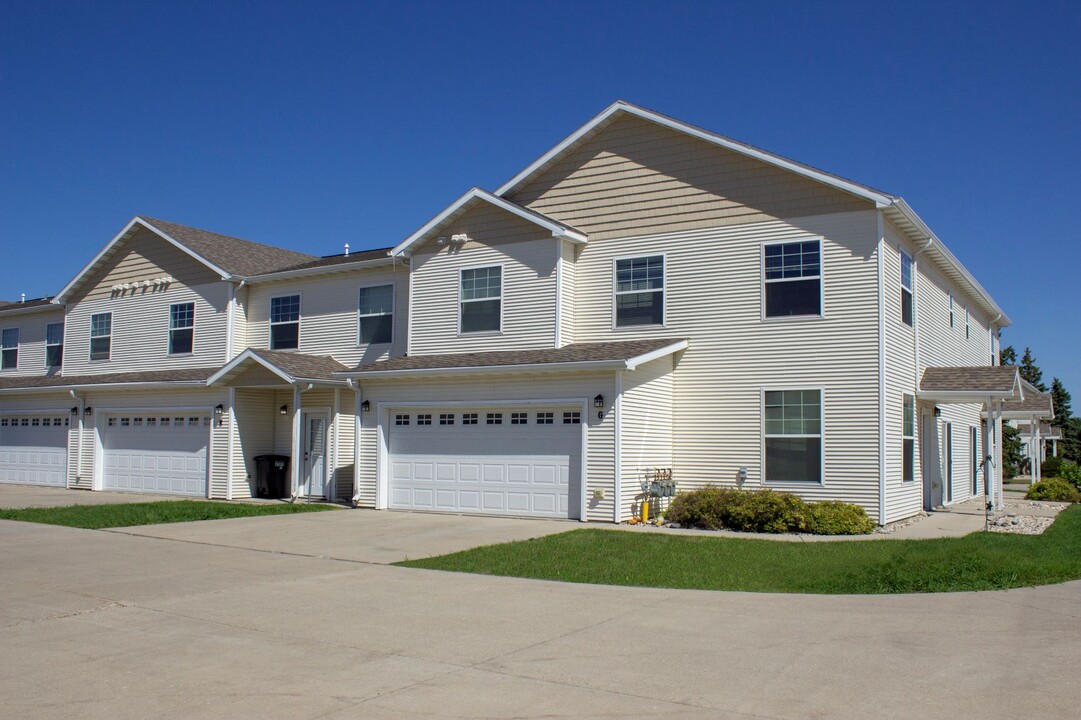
<point x="156" y="455"/>
<point x="34" y="449"/>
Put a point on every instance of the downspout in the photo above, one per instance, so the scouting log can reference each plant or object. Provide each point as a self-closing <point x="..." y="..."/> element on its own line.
<point x="559" y="294"/>
<point x="355" y="387"/>
<point x="881" y="375"/>
<point x="297" y="392"/>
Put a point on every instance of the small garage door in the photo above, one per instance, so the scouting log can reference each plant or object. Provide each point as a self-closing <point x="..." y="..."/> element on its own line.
<point x="34" y="449"/>
<point x="156" y="453"/>
<point x="502" y="461"/>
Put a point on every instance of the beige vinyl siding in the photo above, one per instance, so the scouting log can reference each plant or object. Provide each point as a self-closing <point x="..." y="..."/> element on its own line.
<point x="634" y="177"/>
<point x="140" y="331"/>
<point x="646" y="428"/>
<point x="528" y="255"/>
<point x="256" y="417"/>
<point x="345" y="440"/>
<point x="283" y="424"/>
<point x="600" y="459"/>
<point x="567" y="267"/>
<point x="218" y="457"/>
<point x="328" y="313"/>
<point x="714" y="300"/>
<point x="32" y="329"/>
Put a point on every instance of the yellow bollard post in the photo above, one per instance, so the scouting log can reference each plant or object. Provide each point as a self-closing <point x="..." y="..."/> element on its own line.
<point x="645" y="511"/>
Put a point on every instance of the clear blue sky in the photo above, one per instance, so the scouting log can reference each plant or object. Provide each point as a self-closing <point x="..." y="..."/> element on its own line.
<point x="312" y="124"/>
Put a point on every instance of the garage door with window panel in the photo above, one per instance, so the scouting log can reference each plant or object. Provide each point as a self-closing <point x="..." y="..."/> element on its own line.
<point x="156" y="453"/>
<point x="34" y="449"/>
<point x="501" y="461"/>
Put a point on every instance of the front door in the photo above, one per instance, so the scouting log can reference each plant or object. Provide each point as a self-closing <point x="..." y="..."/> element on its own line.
<point x="930" y="463"/>
<point x="313" y="477"/>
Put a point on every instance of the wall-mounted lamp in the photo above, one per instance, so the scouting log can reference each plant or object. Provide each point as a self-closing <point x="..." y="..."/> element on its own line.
<point x="219" y="409"/>
<point x="938" y="411"/>
<point x="598" y="402"/>
<point x="365" y="406"/>
<point x="88" y="412"/>
<point x="74" y="411"/>
<point x="283" y="410"/>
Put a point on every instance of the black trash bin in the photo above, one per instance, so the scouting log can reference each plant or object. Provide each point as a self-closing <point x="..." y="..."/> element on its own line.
<point x="271" y="476"/>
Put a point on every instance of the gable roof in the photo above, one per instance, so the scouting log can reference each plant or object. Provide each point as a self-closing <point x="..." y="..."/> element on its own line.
<point x="893" y="206"/>
<point x="1034" y="403"/>
<point x="471" y="198"/>
<point x="971" y="384"/>
<point x="291" y="367"/>
<point x="225" y="255"/>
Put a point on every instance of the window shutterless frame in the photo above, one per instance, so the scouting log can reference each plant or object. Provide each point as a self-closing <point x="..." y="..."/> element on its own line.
<point x="361" y="315"/>
<point x="9" y="349"/>
<point x="821" y="435"/>
<point x="908" y="438"/>
<point x="908" y="294"/>
<point x="54" y="345"/>
<point x="101" y="336"/>
<point x="502" y="293"/>
<point x="663" y="290"/>
<point x="181" y="329"/>
<point x="764" y="281"/>
<point x="271" y="322"/>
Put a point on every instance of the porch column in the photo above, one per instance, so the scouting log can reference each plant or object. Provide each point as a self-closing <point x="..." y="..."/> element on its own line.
<point x="1037" y="447"/>
<point x="296" y="451"/>
<point x="990" y="454"/>
<point x="998" y="458"/>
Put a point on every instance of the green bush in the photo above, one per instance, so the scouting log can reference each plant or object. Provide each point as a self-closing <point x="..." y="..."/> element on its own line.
<point x="1070" y="472"/>
<point x="837" y="518"/>
<point x="1051" y="467"/>
<point x="714" y="508"/>
<point x="1054" y="489"/>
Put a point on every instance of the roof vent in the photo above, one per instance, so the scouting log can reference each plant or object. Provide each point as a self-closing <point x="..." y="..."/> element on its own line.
<point x="22" y="298"/>
<point x="347" y="249"/>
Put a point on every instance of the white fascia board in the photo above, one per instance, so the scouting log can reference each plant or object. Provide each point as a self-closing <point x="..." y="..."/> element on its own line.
<point x="243" y="358"/>
<point x="321" y="270"/>
<point x="583" y="366"/>
<point x="557" y="230"/>
<point x="623" y="107"/>
<point x="118" y="237"/>
<point x="634" y="362"/>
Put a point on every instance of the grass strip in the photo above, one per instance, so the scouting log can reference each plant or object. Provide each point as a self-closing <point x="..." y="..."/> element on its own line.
<point x="96" y="517"/>
<point x="980" y="561"/>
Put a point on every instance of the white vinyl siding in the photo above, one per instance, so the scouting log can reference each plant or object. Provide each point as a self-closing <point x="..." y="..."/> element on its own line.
<point x="33" y="333"/>
<point x="567" y="291"/>
<point x="647" y="426"/>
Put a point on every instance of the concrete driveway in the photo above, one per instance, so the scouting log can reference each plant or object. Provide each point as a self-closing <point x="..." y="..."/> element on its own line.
<point x="110" y="625"/>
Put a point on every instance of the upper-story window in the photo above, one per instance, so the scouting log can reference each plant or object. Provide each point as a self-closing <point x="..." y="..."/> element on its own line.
<point x="181" y="328"/>
<point x="285" y="322"/>
<point x="54" y="345"/>
<point x="968" y="325"/>
<point x="9" y="355"/>
<point x="640" y="291"/>
<point x="101" y="336"/>
<point x="792" y="275"/>
<point x="376" y="311"/>
<point x="906" y="289"/>
<point x="481" y="299"/>
<point x="951" y="309"/>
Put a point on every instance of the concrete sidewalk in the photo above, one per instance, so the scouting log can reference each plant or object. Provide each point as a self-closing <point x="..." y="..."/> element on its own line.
<point x="28" y="496"/>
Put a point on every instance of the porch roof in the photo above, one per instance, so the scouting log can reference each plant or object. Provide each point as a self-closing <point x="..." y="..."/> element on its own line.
<point x="291" y="367"/>
<point x="971" y="384"/>
<point x="1034" y="404"/>
<point x="1047" y="430"/>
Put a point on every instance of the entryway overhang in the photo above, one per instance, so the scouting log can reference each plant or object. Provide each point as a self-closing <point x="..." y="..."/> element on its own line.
<point x="947" y="385"/>
<point x="289" y="367"/>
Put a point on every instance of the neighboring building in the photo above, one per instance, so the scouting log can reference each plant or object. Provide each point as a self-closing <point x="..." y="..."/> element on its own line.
<point x="1029" y="416"/>
<point x="645" y="295"/>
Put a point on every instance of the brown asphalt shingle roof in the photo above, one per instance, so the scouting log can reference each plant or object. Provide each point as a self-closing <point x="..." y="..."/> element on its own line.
<point x="577" y="352"/>
<point x="1035" y="402"/>
<point x="235" y="256"/>
<point x="152" y="376"/>
<point x="332" y="260"/>
<point x="994" y="379"/>
<point x="301" y="366"/>
<point x="1047" y="430"/>
<point x="16" y="305"/>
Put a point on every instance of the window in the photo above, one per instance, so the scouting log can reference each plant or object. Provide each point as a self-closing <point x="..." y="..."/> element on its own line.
<point x="519" y="418"/>
<point x="446" y="418"/>
<point x="793" y="436"/>
<point x="469" y="418"/>
<point x="572" y="418"/>
<point x="908" y="439"/>
<point x="9" y="356"/>
<point x="793" y="279"/>
<point x="544" y="418"/>
<point x="401" y="419"/>
<point x="54" y="345"/>
<point x="424" y="419"/>
<point x="125" y="422"/>
<point x="165" y="422"/>
<point x="193" y="422"/>
<point x="640" y="291"/>
<point x="376" y="311"/>
<point x="951" y="309"/>
<point x="137" y="422"/>
<point x="481" y="296"/>
<point x="968" y="327"/>
<point x="285" y="322"/>
<point x="101" y="336"/>
<point x="974" y="460"/>
<point x="181" y="328"/>
<point x="906" y="289"/>
<point x="495" y="418"/>
<point x="151" y="422"/>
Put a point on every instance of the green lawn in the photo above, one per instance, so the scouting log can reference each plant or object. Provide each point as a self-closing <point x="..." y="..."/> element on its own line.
<point x="981" y="561"/>
<point x="96" y="517"/>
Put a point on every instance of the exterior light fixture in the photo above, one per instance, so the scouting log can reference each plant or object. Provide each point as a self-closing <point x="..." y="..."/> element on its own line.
<point x="283" y="410"/>
<point x="938" y="411"/>
<point x="74" y="411"/>
<point x="365" y="406"/>
<point x="219" y="409"/>
<point x="598" y="402"/>
<point x="88" y="412"/>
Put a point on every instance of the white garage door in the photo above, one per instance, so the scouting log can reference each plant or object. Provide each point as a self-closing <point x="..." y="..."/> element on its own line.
<point x="503" y="461"/>
<point x="34" y="449"/>
<point x="156" y="453"/>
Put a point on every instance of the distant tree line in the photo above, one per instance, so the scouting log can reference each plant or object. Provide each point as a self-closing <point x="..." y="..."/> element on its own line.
<point x="1069" y="446"/>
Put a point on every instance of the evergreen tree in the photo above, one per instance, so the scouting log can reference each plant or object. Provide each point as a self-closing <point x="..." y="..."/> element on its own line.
<point x="1069" y="446"/>
<point x="1061" y="398"/>
<point x="1031" y="372"/>
<point x="1012" y="459"/>
<point x="1007" y="356"/>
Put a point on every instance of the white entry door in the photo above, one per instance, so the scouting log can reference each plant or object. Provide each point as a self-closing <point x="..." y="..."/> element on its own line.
<point x="314" y="471"/>
<point x="156" y="453"/>
<point x="34" y="449"/>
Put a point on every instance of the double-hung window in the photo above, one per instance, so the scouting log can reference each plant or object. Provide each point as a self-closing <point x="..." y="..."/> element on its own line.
<point x="285" y="322"/>
<point x="908" y="439"/>
<point x="793" y="436"/>
<point x="968" y="324"/>
<point x="481" y="299"/>
<point x="793" y="278"/>
<point x="376" y="312"/>
<point x="9" y="356"/>
<point x="101" y="336"/>
<point x="640" y="291"/>
<point x="54" y="345"/>
<point x="906" y="289"/>
<point x="181" y="328"/>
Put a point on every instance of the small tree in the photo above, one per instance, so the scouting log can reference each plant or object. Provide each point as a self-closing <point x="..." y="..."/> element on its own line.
<point x="1012" y="458"/>
<point x="1031" y="372"/>
<point x="1007" y="356"/>
<point x="1070" y="444"/>
<point x="1061" y="399"/>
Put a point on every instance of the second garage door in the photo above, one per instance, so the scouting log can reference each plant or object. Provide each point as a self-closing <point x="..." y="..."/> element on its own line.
<point x="157" y="453"/>
<point x="516" y="461"/>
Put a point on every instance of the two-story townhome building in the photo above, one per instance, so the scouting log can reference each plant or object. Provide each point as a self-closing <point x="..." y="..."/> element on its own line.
<point x="646" y="295"/>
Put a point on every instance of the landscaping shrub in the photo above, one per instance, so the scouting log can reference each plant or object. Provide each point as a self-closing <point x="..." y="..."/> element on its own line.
<point x="1070" y="472"/>
<point x="837" y="518"/>
<point x="767" y="511"/>
<point x="1055" y="489"/>
<point x="702" y="509"/>
<point x="1050" y="467"/>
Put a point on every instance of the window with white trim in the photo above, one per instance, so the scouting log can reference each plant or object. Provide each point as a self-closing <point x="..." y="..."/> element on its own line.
<point x="907" y="301"/>
<point x="181" y="328"/>
<point x="376" y="315"/>
<point x="951" y="309"/>
<point x="968" y="326"/>
<point x="908" y="438"/>
<point x="640" y="291"/>
<point x="285" y="322"/>
<point x="495" y="418"/>
<point x="793" y="436"/>
<point x="9" y="355"/>
<point x="469" y="418"/>
<point x="792" y="274"/>
<point x="481" y="299"/>
<point x="54" y="345"/>
<point x="572" y="418"/>
<point x="545" y="418"/>
<point x="101" y="336"/>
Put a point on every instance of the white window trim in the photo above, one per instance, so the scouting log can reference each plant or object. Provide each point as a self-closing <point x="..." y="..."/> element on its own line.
<point x="912" y="437"/>
<point x="821" y="280"/>
<point x="663" y="291"/>
<point x="912" y="283"/>
<point x="393" y="309"/>
<point x="502" y="299"/>
<point x="821" y="436"/>
<point x="90" y="349"/>
<point x="169" y="333"/>
<point x="271" y="323"/>
<point x="18" y="346"/>
<point x="968" y="325"/>
<point x="59" y="344"/>
<point x="951" y="309"/>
